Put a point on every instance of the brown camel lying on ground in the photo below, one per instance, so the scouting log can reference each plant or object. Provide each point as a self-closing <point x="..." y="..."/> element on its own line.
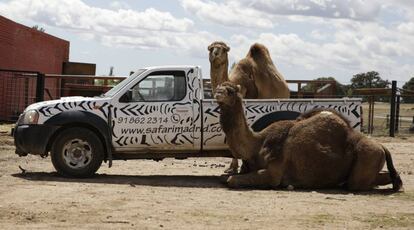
<point x="318" y="150"/>
<point x="256" y="74"/>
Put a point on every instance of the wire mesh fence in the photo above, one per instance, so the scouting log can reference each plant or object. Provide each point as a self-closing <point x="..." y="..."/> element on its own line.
<point x="17" y="91"/>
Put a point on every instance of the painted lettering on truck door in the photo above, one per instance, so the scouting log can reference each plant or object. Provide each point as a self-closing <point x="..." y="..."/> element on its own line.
<point x="155" y="113"/>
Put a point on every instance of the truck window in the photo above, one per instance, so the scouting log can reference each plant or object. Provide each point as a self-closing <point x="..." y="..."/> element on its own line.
<point x="160" y="86"/>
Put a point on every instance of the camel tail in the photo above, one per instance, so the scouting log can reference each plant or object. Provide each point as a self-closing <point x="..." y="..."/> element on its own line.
<point x="395" y="177"/>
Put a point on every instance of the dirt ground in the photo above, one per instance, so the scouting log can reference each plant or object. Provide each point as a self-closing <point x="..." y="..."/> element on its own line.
<point x="187" y="194"/>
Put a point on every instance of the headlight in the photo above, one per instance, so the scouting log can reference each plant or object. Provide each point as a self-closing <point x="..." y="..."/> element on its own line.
<point x="29" y="118"/>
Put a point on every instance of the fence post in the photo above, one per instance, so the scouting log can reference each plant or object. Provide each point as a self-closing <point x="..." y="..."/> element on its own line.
<point x="40" y="87"/>
<point x="392" y="109"/>
<point x="397" y="113"/>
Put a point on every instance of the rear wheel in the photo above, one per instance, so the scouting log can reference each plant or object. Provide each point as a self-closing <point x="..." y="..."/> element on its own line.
<point x="77" y="152"/>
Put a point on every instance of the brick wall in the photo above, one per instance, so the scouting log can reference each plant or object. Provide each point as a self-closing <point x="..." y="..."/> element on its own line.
<point x="24" y="48"/>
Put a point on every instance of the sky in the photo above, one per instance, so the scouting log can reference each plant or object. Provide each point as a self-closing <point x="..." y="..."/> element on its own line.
<point x="306" y="38"/>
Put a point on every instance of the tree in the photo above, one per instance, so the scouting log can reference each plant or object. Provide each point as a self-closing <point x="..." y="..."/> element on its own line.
<point x="340" y="89"/>
<point x="408" y="88"/>
<point x="368" y="80"/>
<point x="38" y="28"/>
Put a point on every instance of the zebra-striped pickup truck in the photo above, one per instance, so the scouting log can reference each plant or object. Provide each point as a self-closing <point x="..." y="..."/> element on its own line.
<point x="157" y="112"/>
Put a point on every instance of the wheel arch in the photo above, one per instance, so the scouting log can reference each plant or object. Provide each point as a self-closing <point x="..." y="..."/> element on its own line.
<point x="268" y="119"/>
<point x="71" y="119"/>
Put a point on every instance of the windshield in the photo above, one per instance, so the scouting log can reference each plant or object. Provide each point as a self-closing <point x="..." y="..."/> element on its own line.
<point x="123" y="83"/>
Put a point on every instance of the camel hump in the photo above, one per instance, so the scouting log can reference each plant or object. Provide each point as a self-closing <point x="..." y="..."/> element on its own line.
<point x="258" y="51"/>
<point x="324" y="111"/>
<point x="395" y="177"/>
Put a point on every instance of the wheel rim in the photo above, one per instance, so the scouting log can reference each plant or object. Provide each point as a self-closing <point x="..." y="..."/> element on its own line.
<point x="77" y="153"/>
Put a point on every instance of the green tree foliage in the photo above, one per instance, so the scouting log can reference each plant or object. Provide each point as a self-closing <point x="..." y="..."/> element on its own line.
<point x="341" y="90"/>
<point x="38" y="28"/>
<point x="368" y="80"/>
<point x="409" y="87"/>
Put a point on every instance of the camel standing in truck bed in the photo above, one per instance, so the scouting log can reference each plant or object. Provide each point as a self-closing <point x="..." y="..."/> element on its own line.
<point x="318" y="150"/>
<point x="256" y="74"/>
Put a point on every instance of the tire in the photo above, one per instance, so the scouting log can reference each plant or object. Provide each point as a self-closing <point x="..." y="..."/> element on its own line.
<point x="77" y="152"/>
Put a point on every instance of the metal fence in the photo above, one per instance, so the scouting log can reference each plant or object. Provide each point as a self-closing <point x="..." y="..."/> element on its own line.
<point x="382" y="108"/>
<point x="18" y="89"/>
<point x="387" y="111"/>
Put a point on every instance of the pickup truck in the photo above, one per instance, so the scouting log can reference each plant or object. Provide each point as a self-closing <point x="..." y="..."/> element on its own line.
<point x="155" y="113"/>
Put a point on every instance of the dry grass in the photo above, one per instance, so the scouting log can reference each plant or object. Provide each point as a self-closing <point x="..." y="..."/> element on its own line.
<point x="381" y="110"/>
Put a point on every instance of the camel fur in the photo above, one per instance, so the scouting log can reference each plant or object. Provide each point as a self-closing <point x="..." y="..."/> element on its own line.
<point x="256" y="74"/>
<point x="318" y="150"/>
<point x="219" y="64"/>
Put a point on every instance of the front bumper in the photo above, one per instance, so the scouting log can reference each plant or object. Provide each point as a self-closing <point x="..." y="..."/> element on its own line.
<point x="32" y="139"/>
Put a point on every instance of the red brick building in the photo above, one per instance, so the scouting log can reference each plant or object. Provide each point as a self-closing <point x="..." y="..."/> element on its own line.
<point x="26" y="49"/>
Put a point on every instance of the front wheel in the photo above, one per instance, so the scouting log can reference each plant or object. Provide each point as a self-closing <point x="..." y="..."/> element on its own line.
<point x="77" y="152"/>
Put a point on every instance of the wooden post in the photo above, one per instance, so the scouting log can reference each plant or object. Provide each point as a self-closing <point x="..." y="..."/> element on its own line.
<point x="40" y="87"/>
<point x="397" y="113"/>
<point x="372" y="114"/>
<point x="392" y="109"/>
<point x="369" y="114"/>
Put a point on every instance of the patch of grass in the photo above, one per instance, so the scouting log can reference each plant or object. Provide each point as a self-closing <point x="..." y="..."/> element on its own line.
<point x="324" y="218"/>
<point x="321" y="219"/>
<point x="405" y="196"/>
<point x="395" y="220"/>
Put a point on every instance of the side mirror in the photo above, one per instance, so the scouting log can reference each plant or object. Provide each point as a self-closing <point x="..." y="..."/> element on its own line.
<point x="126" y="97"/>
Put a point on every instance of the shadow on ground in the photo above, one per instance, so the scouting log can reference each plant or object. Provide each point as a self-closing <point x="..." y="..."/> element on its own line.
<point x="133" y="180"/>
<point x="173" y="181"/>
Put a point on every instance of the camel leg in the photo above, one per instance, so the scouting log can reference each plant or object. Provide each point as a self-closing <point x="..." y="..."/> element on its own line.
<point x="383" y="178"/>
<point x="365" y="172"/>
<point x="233" y="168"/>
<point x="258" y="179"/>
<point x="246" y="167"/>
<point x="264" y="178"/>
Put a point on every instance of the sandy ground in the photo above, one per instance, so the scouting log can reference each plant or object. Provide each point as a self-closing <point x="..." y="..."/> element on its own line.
<point x="187" y="194"/>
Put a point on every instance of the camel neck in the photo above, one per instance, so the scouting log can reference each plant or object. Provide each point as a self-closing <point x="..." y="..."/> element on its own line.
<point x="219" y="74"/>
<point x="241" y="139"/>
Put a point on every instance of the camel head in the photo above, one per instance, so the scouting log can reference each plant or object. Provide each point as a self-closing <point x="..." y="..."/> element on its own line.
<point x="218" y="53"/>
<point x="227" y="94"/>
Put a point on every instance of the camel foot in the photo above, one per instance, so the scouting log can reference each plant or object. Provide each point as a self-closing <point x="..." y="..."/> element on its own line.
<point x="223" y="178"/>
<point x="231" y="171"/>
<point x="232" y="182"/>
<point x="233" y="168"/>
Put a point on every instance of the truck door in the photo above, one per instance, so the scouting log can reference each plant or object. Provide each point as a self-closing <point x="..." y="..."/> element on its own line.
<point x="154" y="114"/>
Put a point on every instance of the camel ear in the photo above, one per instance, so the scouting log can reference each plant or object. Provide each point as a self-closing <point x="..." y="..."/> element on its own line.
<point x="227" y="48"/>
<point x="210" y="47"/>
